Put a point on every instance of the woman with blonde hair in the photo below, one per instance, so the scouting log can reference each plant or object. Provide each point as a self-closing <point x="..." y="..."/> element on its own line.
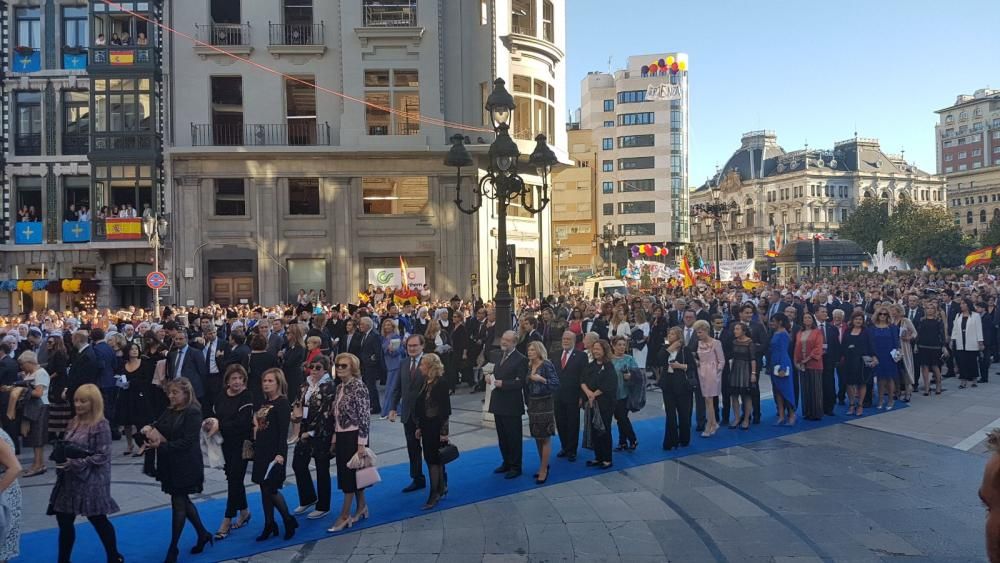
<point x="432" y="409"/>
<point x="711" y="362"/>
<point x="352" y="420"/>
<point x="907" y="339"/>
<point x="542" y="382"/>
<point x="179" y="469"/>
<point x="83" y="485"/>
<point x="36" y="412"/>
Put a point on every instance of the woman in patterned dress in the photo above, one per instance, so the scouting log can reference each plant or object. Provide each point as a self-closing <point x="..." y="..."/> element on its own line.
<point x="10" y="496"/>
<point x="541" y="384"/>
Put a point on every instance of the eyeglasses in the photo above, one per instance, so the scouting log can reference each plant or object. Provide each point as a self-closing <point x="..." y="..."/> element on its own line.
<point x="343" y="366"/>
<point x="316" y="366"/>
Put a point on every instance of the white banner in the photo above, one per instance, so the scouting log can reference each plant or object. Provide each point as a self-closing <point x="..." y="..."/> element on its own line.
<point x="729" y="269"/>
<point x="663" y="92"/>
<point x="393" y="277"/>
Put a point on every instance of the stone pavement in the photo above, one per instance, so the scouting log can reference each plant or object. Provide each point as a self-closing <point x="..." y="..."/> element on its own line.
<point x="886" y="488"/>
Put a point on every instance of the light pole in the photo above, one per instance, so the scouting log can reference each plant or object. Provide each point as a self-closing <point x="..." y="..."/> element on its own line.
<point x="559" y="252"/>
<point x="503" y="185"/>
<point x="609" y="240"/>
<point x="713" y="214"/>
<point x="155" y="228"/>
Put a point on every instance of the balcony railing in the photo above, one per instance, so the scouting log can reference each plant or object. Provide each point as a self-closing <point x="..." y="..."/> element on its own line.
<point x="297" y="34"/>
<point x="28" y="144"/>
<point x="75" y="143"/>
<point x="260" y="135"/>
<point x="224" y="34"/>
<point x="390" y="13"/>
<point x="121" y="55"/>
<point x="125" y="141"/>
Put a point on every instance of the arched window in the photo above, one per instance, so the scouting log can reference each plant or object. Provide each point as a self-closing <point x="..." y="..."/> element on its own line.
<point x="867" y="194"/>
<point x="982" y="215"/>
<point x="748" y="212"/>
<point x="968" y="217"/>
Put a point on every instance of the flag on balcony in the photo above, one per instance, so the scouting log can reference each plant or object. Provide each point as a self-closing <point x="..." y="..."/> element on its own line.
<point x="76" y="231"/>
<point x="26" y="60"/>
<point x="123" y="229"/>
<point x="122" y="57"/>
<point x="28" y="232"/>
<point x="771" y="253"/>
<point x="979" y="257"/>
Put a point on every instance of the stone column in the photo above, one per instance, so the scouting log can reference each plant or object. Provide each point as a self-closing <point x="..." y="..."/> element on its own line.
<point x="270" y="266"/>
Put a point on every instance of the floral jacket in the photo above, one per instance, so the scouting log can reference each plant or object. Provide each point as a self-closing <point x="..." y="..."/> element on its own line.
<point x="353" y="407"/>
<point x="318" y="411"/>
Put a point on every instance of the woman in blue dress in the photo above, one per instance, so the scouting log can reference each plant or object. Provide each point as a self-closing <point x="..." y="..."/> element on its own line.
<point x="884" y="338"/>
<point x="393" y="353"/>
<point x="780" y="368"/>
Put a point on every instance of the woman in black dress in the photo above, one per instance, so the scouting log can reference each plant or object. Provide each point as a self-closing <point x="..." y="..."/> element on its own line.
<point x="175" y="436"/>
<point x="855" y="369"/>
<point x="931" y="347"/>
<point x="260" y="362"/>
<point x="293" y="357"/>
<point x="233" y="419"/>
<point x="432" y="409"/>
<point x="742" y="373"/>
<point x="60" y="410"/>
<point x="134" y="407"/>
<point x="657" y="337"/>
<point x="678" y="369"/>
<point x="270" y="449"/>
<point x="600" y="385"/>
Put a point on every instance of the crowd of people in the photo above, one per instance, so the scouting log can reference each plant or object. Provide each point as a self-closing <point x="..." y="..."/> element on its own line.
<point x="298" y="385"/>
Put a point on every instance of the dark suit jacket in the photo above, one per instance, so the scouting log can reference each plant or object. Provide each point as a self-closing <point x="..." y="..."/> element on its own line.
<point x="522" y="345"/>
<point x="193" y="368"/>
<point x="571" y="376"/>
<point x="106" y="362"/>
<point x="404" y="396"/>
<point x="831" y="338"/>
<point x="508" y="398"/>
<point x="370" y="350"/>
<point x="353" y="348"/>
<point x="460" y="344"/>
<point x="238" y="355"/>
<point x="85" y="369"/>
<point x="275" y="342"/>
<point x="917" y="317"/>
<point x="220" y="363"/>
<point x="9" y="369"/>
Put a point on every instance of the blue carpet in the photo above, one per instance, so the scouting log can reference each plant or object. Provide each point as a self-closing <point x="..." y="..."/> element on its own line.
<point x="144" y="537"/>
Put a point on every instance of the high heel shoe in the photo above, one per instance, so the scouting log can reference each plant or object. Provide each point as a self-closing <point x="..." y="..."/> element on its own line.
<point x="202" y="541"/>
<point x="290" y="526"/>
<point x="360" y="515"/>
<point x="540" y="480"/>
<point x="270" y="529"/>
<point x="171" y="555"/>
<point x="347" y="523"/>
<point x="431" y="502"/>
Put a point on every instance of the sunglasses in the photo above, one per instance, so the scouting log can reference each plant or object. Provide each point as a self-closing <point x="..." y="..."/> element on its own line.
<point x="343" y="366"/>
<point x="316" y="366"/>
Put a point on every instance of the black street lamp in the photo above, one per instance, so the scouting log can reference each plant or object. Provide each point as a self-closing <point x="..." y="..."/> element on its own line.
<point x="713" y="214"/>
<point x="502" y="184"/>
<point x="610" y="240"/>
<point x="155" y="229"/>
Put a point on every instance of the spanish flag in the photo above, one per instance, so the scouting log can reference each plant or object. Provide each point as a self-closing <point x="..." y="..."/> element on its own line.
<point x="121" y="57"/>
<point x="931" y="266"/>
<point x="979" y="257"/>
<point x="123" y="229"/>
<point x="771" y="253"/>
<point x="686" y="270"/>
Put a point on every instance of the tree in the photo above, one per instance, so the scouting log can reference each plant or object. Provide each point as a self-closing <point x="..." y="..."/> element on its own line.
<point x="992" y="235"/>
<point x="867" y="225"/>
<point x="916" y="233"/>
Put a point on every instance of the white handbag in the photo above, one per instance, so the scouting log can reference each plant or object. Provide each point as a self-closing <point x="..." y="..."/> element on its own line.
<point x="367" y="477"/>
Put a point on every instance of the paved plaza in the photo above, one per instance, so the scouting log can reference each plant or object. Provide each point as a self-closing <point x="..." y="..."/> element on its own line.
<point x="900" y="486"/>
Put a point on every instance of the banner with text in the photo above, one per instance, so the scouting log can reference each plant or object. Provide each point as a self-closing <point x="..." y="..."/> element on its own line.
<point x="729" y="269"/>
<point x="393" y="277"/>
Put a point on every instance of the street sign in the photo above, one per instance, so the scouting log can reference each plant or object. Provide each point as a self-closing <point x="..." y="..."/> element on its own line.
<point x="156" y="280"/>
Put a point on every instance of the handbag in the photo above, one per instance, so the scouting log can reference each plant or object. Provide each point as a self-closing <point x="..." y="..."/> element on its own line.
<point x="588" y="432"/>
<point x="247" y="453"/>
<point x="448" y="453"/>
<point x="367" y="477"/>
<point x="596" y="421"/>
<point x="63" y="450"/>
<point x="358" y="462"/>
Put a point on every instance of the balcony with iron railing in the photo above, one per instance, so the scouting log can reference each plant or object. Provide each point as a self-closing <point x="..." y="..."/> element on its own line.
<point x="296" y="39"/>
<point x="260" y="135"/>
<point x="75" y="143"/>
<point x="132" y="144"/>
<point x="28" y="144"/>
<point x="219" y="38"/>
<point x="390" y="13"/>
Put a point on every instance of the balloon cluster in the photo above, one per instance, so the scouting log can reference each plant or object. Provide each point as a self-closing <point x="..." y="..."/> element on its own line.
<point x="51" y="286"/>
<point x="648" y="250"/>
<point x="665" y="65"/>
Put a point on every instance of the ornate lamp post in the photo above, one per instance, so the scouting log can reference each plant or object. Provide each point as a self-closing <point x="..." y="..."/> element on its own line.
<point x="155" y="228"/>
<point x="502" y="184"/>
<point x="610" y="240"/>
<point x="714" y="214"/>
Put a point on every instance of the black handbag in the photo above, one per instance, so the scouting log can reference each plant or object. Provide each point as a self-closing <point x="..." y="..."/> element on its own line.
<point x="63" y="450"/>
<point x="448" y="453"/>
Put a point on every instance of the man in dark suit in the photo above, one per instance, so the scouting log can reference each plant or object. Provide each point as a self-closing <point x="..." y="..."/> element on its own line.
<point x="404" y="397"/>
<point x="949" y="309"/>
<point x="215" y="352"/>
<point x="86" y="368"/>
<point x="350" y="342"/>
<point x="372" y="362"/>
<point x="831" y="355"/>
<point x="726" y="337"/>
<point x="185" y="361"/>
<point x="276" y="337"/>
<point x="913" y="310"/>
<point x="700" y="312"/>
<point x="570" y="364"/>
<point x="691" y="343"/>
<point x="529" y="334"/>
<point x="507" y="403"/>
<point x="239" y="352"/>
<point x="8" y="366"/>
<point x="109" y="391"/>
<point x="460" y="350"/>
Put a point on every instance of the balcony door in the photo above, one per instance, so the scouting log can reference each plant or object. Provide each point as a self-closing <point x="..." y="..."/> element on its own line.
<point x="227" y="110"/>
<point x="298" y="20"/>
<point x="226" y="24"/>
<point x="300" y="110"/>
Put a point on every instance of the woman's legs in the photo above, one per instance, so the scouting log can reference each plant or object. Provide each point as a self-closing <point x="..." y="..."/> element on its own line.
<point x="544" y="446"/>
<point x="621" y="417"/>
<point x="862" y="390"/>
<point x="127" y="430"/>
<point x="106" y="532"/>
<point x="883" y="389"/>
<point x="779" y="402"/>
<point x="178" y="515"/>
<point x="925" y="375"/>
<point x="711" y="425"/>
<point x="362" y="501"/>
<point x="345" y="508"/>
<point x="937" y="377"/>
<point x="67" y="535"/>
<point x="747" y="409"/>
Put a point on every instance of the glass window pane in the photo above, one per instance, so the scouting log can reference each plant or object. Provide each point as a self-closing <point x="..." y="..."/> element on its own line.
<point x="307" y="274"/>
<point x="401" y="195"/>
<point x="405" y="78"/>
<point x="377" y="78"/>
<point x="376" y="119"/>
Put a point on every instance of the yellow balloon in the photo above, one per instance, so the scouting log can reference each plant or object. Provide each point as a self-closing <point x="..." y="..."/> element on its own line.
<point x="670" y="61"/>
<point x="683" y="65"/>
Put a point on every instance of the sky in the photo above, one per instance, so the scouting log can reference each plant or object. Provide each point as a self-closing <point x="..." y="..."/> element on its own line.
<point x="812" y="72"/>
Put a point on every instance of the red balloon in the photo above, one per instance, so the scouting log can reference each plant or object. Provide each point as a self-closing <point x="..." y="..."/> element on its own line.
<point x="675" y="67"/>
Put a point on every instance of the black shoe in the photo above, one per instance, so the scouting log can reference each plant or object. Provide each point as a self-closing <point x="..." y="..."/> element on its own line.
<point x="570" y="457"/>
<point x="542" y="481"/>
<point x="415" y="485"/>
<point x="290" y="526"/>
<point x="501" y="469"/>
<point x="269" y="531"/>
<point x="592" y="462"/>
<point x="621" y="447"/>
<point x="513" y="474"/>
<point x="562" y="453"/>
<point x="202" y="541"/>
<point x="171" y="555"/>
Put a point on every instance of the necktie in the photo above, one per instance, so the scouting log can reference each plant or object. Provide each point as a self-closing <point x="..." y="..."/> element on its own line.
<point x="413" y="369"/>
<point x="180" y="360"/>
<point x="565" y="358"/>
<point x="687" y="335"/>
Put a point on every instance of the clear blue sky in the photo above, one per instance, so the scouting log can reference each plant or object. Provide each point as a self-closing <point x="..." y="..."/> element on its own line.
<point x="811" y="71"/>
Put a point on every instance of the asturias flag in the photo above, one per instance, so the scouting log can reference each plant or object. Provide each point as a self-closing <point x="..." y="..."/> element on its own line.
<point x="979" y="257"/>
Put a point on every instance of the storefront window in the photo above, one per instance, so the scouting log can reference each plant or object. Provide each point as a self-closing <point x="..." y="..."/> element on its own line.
<point x="306" y="273"/>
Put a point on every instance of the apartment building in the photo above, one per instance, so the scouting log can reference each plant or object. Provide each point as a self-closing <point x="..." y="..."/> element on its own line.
<point x="639" y="120"/>
<point x="574" y="210"/>
<point x="967" y="138"/>
<point x="81" y="113"/>
<point x="325" y="168"/>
